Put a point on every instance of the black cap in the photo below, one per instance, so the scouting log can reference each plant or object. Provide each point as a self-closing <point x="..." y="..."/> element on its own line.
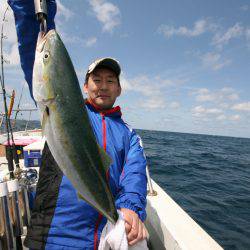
<point x="106" y="62"/>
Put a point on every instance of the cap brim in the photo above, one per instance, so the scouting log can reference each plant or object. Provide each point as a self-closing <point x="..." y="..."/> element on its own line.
<point x="109" y="63"/>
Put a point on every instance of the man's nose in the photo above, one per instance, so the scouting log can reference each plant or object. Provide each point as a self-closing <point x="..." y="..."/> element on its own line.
<point x="104" y="85"/>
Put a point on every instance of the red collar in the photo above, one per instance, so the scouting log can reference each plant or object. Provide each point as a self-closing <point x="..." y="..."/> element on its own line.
<point x="113" y="110"/>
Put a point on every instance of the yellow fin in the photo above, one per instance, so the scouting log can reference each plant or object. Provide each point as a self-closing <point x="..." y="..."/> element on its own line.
<point x="105" y="158"/>
<point x="80" y="197"/>
<point x="45" y="118"/>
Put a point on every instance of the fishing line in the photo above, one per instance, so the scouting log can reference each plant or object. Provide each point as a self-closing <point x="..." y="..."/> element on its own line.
<point x="10" y="149"/>
<point x="18" y="106"/>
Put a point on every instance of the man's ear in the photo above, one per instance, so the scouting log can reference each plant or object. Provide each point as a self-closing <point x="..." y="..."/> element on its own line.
<point x="119" y="91"/>
<point x="85" y="88"/>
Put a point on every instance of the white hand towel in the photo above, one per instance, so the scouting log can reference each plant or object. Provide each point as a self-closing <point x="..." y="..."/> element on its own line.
<point x="114" y="237"/>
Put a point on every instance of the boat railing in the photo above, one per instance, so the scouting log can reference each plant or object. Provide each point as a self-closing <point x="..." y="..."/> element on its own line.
<point x="151" y="191"/>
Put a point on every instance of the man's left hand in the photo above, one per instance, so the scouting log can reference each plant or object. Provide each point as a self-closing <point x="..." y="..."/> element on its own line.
<point x="135" y="229"/>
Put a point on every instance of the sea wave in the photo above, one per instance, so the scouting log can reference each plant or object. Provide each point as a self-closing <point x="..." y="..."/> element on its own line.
<point x="209" y="177"/>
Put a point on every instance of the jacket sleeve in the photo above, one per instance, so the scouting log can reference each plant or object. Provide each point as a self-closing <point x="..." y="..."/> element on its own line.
<point x="27" y="28"/>
<point x="133" y="180"/>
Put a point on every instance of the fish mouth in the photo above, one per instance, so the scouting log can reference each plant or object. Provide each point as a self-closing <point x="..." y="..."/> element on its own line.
<point x="42" y="39"/>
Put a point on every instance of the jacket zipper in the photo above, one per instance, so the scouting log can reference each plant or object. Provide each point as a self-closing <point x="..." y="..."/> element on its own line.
<point x="100" y="216"/>
<point x="104" y="139"/>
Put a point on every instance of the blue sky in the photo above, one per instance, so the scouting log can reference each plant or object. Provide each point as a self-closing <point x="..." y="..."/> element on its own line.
<point x="185" y="64"/>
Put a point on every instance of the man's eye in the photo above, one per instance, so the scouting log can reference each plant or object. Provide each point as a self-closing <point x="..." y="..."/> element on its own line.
<point x="97" y="80"/>
<point x="110" y="81"/>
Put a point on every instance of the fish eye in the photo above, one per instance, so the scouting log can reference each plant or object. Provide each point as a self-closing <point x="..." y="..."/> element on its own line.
<point x="46" y="55"/>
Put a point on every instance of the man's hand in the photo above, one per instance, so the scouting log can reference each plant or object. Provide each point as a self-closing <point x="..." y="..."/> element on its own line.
<point x="135" y="229"/>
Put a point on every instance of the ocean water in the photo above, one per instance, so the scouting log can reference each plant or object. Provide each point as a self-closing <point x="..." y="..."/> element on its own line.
<point x="209" y="177"/>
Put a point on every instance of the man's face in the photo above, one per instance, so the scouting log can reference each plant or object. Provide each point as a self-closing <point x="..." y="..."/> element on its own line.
<point x="102" y="88"/>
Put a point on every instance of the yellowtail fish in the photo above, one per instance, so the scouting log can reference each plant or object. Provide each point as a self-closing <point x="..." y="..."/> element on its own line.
<point x="66" y="125"/>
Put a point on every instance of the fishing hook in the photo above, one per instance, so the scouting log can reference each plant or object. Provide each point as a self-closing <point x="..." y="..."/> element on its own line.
<point x="43" y="26"/>
<point x="41" y="12"/>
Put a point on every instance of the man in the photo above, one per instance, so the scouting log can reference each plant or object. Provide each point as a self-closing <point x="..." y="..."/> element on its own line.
<point x="59" y="219"/>
<point x="102" y="87"/>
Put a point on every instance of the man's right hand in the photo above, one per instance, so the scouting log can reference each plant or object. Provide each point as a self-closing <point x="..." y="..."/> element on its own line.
<point x="135" y="228"/>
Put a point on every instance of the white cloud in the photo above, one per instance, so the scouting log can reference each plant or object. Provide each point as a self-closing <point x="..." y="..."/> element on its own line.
<point x="9" y="25"/>
<point x="213" y="111"/>
<point x="150" y="96"/>
<point x="145" y="85"/>
<point x="204" y="98"/>
<point x="199" y="27"/>
<point x="233" y="32"/>
<point x="219" y="96"/>
<point x="244" y="7"/>
<point x="227" y="90"/>
<point x="248" y="34"/>
<point x="125" y="84"/>
<point x="153" y="90"/>
<point x="174" y="105"/>
<point x="10" y="46"/>
<point x="221" y="118"/>
<point x="224" y="105"/>
<point x="202" y="91"/>
<point x="233" y="97"/>
<point x="153" y="103"/>
<point x="124" y="35"/>
<point x="107" y="13"/>
<point x="245" y="106"/>
<point x="90" y="41"/>
<point x="12" y="57"/>
<point x="71" y="39"/>
<point x="63" y="12"/>
<point x="200" y="111"/>
<point x="234" y="118"/>
<point x="220" y="105"/>
<point x="63" y="15"/>
<point x="220" y="38"/>
<point x="214" y="61"/>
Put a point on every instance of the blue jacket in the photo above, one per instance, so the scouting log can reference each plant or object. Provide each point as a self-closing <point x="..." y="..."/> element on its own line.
<point x="27" y="28"/>
<point x="59" y="219"/>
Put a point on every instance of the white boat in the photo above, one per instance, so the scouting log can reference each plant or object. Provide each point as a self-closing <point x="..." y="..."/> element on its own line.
<point x="169" y="226"/>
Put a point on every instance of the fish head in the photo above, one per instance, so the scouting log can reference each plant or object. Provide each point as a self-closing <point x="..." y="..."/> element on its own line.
<point x="43" y="89"/>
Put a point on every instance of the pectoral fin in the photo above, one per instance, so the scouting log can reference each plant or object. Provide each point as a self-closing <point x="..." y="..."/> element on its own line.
<point x="106" y="160"/>
<point x="80" y="197"/>
<point x="45" y="119"/>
